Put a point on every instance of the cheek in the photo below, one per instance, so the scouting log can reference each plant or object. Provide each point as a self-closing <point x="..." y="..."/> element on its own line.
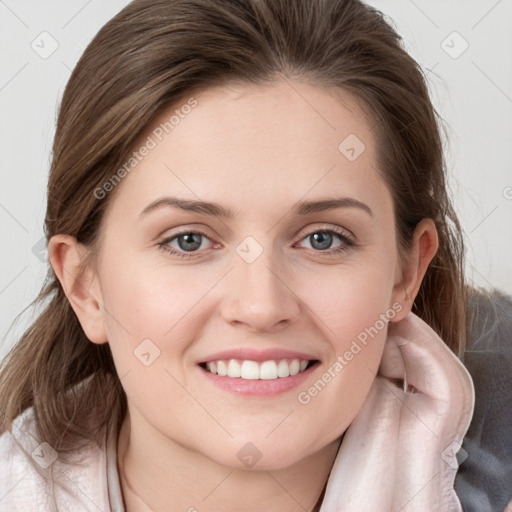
<point x="151" y="303"/>
<point x="144" y="317"/>
<point x="353" y="310"/>
<point x="152" y="317"/>
<point x="342" y="383"/>
<point x="349" y="300"/>
<point x="334" y="399"/>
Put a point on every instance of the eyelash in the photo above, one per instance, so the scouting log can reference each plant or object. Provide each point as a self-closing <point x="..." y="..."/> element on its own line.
<point x="348" y="243"/>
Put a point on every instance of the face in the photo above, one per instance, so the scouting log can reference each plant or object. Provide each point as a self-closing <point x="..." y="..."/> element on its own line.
<point x="291" y="266"/>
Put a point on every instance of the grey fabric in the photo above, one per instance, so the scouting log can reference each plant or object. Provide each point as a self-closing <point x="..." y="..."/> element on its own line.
<point x="484" y="480"/>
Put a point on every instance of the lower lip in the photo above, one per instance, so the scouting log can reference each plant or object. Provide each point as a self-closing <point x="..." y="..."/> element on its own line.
<point x="259" y="387"/>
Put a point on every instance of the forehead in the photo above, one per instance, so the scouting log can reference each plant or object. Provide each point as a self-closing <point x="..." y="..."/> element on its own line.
<point x="279" y="141"/>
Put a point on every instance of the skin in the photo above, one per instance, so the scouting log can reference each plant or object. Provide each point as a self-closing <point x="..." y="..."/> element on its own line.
<point x="256" y="150"/>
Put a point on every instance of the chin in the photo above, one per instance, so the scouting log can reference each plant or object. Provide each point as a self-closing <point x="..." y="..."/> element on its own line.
<point x="261" y="454"/>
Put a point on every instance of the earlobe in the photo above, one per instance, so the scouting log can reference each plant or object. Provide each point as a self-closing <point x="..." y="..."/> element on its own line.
<point x="424" y="247"/>
<point x="79" y="283"/>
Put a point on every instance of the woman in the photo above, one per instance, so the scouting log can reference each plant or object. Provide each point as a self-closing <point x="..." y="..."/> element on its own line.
<point x="256" y="294"/>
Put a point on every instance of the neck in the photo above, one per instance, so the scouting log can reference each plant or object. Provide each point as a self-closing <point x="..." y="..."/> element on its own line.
<point x="175" y="478"/>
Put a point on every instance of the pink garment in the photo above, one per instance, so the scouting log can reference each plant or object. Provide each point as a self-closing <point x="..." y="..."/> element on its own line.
<point x="398" y="453"/>
<point x="33" y="480"/>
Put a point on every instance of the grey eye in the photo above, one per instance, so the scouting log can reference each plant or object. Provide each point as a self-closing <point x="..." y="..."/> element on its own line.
<point x="321" y="240"/>
<point x="189" y="241"/>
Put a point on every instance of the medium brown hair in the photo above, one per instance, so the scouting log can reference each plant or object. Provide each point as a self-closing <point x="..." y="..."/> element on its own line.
<point x="154" y="53"/>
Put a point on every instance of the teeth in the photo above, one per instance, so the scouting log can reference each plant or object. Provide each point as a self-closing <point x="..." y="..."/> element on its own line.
<point x="251" y="370"/>
<point x="233" y="368"/>
<point x="221" y="368"/>
<point x="283" y="369"/>
<point x="268" y="370"/>
<point x="294" y="367"/>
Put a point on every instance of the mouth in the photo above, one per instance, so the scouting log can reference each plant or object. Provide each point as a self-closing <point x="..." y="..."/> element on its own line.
<point x="254" y="370"/>
<point x="250" y="373"/>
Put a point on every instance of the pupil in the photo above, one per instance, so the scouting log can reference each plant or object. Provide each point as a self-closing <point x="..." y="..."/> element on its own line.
<point x="189" y="241"/>
<point x="321" y="239"/>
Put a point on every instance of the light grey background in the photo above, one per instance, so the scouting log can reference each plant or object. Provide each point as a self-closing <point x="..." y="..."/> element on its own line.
<point x="472" y="90"/>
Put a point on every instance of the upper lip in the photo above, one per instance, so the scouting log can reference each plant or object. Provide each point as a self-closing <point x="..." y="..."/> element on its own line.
<point x="258" y="355"/>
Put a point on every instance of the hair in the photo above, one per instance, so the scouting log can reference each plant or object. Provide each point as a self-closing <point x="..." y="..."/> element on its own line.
<point x="151" y="55"/>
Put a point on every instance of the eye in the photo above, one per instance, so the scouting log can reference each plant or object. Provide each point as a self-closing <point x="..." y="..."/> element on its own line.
<point x="189" y="244"/>
<point x="185" y="244"/>
<point x="322" y="241"/>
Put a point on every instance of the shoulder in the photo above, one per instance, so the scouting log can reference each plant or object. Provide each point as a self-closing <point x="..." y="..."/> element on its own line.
<point x="33" y="476"/>
<point x="484" y="480"/>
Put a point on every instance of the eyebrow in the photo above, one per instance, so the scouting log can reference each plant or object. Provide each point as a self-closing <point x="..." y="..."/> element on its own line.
<point x="216" y="210"/>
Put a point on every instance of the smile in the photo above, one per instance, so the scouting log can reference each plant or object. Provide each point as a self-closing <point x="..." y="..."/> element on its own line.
<point x="254" y="370"/>
<point x="259" y="376"/>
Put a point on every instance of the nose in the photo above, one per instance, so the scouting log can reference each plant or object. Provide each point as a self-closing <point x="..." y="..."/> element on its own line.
<point x="259" y="296"/>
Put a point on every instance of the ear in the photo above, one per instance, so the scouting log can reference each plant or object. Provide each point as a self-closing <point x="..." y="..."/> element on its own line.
<point x="424" y="247"/>
<point x="80" y="284"/>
